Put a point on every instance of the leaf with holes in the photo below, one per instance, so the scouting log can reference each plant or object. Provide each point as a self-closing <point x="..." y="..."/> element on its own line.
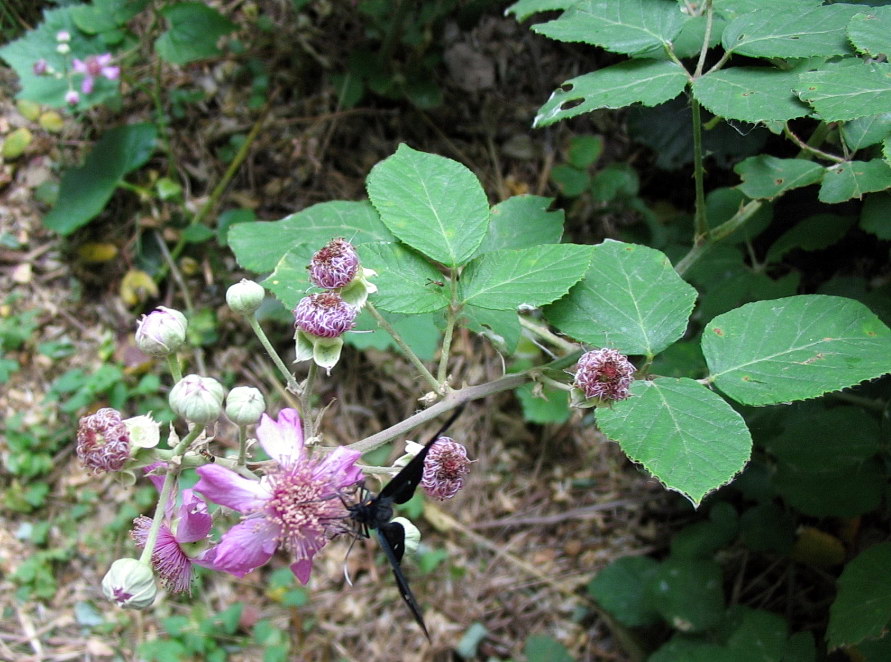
<point x="687" y="436"/>
<point x="766" y="176"/>
<point x="649" y="82"/>
<point x="800" y="347"/>
<point x="750" y="94"/>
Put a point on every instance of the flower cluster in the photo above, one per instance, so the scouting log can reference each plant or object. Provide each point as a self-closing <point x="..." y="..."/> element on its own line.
<point x="604" y="375"/>
<point x="445" y="467"/>
<point x="91" y="68"/>
<point x="321" y="319"/>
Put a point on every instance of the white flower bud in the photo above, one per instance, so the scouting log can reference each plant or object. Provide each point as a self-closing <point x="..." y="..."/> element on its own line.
<point x="197" y="399"/>
<point x="161" y="332"/>
<point x="130" y="584"/>
<point x="245" y="297"/>
<point x="245" y="405"/>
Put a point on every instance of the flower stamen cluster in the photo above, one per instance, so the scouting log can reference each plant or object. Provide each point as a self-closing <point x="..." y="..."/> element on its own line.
<point x="103" y="441"/>
<point x="445" y="467"/>
<point x="334" y="265"/>
<point x="604" y="374"/>
<point x="324" y="315"/>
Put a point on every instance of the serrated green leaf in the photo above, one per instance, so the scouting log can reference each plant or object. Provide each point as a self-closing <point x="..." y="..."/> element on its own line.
<point x="731" y="9"/>
<point x="869" y="31"/>
<point x="260" y="246"/>
<point x="522" y="221"/>
<point x="862" y="609"/>
<point x="766" y="176"/>
<point x="431" y="203"/>
<point x="506" y="279"/>
<point x="852" y="179"/>
<point x="571" y="181"/>
<point x="841" y="92"/>
<point x="631" y="26"/>
<point x="800" y="347"/>
<point x="681" y="432"/>
<point x="875" y="216"/>
<point x="645" y="81"/>
<point x="550" y="406"/>
<point x="84" y="191"/>
<point x="418" y="331"/>
<point x="865" y="131"/>
<point x="502" y="327"/>
<point x="780" y="32"/>
<point x="106" y="15"/>
<point x="406" y="282"/>
<point x="526" y="8"/>
<point x="750" y="94"/>
<point x="621" y="589"/>
<point x="193" y="32"/>
<point x="631" y="299"/>
<point x="811" y="234"/>
<point x="756" y="635"/>
<point x="584" y="151"/>
<point x="289" y="280"/>
<point x="689" y="594"/>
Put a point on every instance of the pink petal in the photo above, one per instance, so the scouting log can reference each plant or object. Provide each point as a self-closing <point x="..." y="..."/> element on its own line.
<point x="227" y="488"/>
<point x="87" y="85"/>
<point x="339" y="469"/>
<point x="282" y="439"/>
<point x="111" y="73"/>
<point x="246" y="546"/>
<point x="79" y="66"/>
<point x="301" y="570"/>
<point x="194" y="520"/>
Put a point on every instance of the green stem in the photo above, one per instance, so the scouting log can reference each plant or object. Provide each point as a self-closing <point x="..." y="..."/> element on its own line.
<point x="700" y="218"/>
<point x="306" y="401"/>
<point x="415" y="361"/>
<point x="282" y="368"/>
<point x="543" y="332"/>
<point x="808" y="150"/>
<point x="173" y="365"/>
<point x="703" y="245"/>
<point x="242" y="445"/>
<point x="451" y="319"/>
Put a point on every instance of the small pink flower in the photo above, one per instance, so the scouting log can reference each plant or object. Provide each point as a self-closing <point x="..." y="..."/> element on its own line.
<point x="40" y="67"/>
<point x="325" y="315"/>
<point x="445" y="466"/>
<point x="334" y="265"/>
<point x="296" y="506"/>
<point x="72" y="98"/>
<point x="175" y="550"/>
<point x="605" y="374"/>
<point x="93" y="67"/>
<point x="103" y="442"/>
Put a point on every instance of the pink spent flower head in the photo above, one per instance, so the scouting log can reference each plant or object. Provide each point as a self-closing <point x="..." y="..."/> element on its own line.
<point x="445" y="467"/>
<point x="103" y="441"/>
<point x="295" y="507"/>
<point x="334" y="265"/>
<point x="605" y="374"/>
<point x="325" y="315"/>
<point x="178" y="546"/>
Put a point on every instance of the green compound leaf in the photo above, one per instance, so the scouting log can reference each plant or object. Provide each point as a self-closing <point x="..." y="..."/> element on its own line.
<point x="522" y="221"/>
<point x="630" y="26"/>
<point x="846" y="92"/>
<point x="780" y="32"/>
<point x="84" y="191"/>
<point x="502" y="327"/>
<point x="750" y="94"/>
<point x="852" y="179"/>
<point x="800" y="347"/>
<point x="866" y="131"/>
<point x="870" y="30"/>
<point x="621" y="589"/>
<point x="550" y="405"/>
<point x="684" y="434"/>
<point x="260" y="246"/>
<point x="875" y="216"/>
<point x="405" y="280"/>
<point x="766" y="176"/>
<point x="106" y="15"/>
<point x="862" y="609"/>
<point x="289" y="280"/>
<point x="645" y="81"/>
<point x="811" y="234"/>
<point x="631" y="299"/>
<point x="431" y="203"/>
<point x="193" y="33"/>
<point x="526" y="8"/>
<point x="418" y="331"/>
<point x="506" y="279"/>
<point x="731" y="9"/>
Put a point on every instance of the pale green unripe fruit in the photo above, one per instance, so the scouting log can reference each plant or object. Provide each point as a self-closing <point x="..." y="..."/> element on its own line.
<point x="245" y="405"/>
<point x="245" y="297"/>
<point x="197" y="399"/>
<point x="130" y="584"/>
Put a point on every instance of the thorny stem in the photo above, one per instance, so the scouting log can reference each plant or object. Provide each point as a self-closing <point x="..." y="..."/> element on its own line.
<point x="282" y="368"/>
<point x="415" y="361"/>
<point x="305" y="397"/>
<point x="709" y="16"/>
<point x="173" y="467"/>
<point x="700" y="225"/>
<point x="703" y="245"/>
<point x="451" y="318"/>
<point x="808" y="149"/>
<point x="543" y="332"/>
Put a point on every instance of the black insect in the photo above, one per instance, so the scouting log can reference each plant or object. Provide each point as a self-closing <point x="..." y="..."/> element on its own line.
<point x="373" y="513"/>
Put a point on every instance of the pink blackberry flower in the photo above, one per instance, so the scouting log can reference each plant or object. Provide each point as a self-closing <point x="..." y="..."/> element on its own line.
<point x="176" y="550"/>
<point x="94" y="67"/>
<point x="334" y="265"/>
<point x="72" y="98"/>
<point x="40" y="67"/>
<point x="103" y="441"/>
<point x="296" y="506"/>
<point x="445" y="466"/>
<point x="604" y="374"/>
<point x="324" y="315"/>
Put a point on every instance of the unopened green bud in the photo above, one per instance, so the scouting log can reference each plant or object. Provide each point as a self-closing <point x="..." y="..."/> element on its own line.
<point x="245" y="297"/>
<point x="130" y="584"/>
<point x="197" y="399"/>
<point x="161" y="332"/>
<point x="245" y="405"/>
<point x="412" y="535"/>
